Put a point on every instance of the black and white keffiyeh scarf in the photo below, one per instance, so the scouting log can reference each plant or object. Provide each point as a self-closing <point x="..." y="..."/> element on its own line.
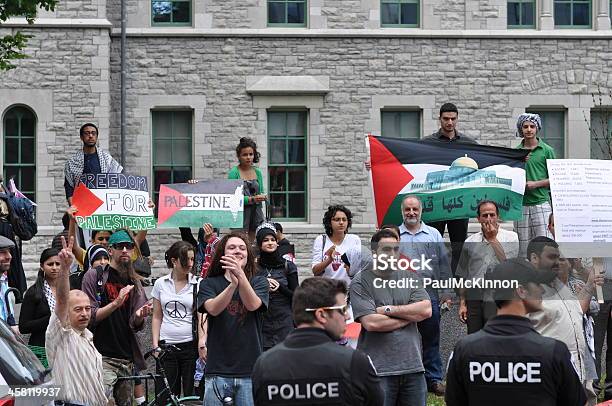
<point x="75" y="164"/>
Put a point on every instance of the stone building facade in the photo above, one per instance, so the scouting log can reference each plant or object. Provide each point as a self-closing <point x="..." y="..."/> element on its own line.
<point x="229" y="69"/>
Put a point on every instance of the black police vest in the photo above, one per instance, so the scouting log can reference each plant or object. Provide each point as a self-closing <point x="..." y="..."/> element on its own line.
<point x="310" y="375"/>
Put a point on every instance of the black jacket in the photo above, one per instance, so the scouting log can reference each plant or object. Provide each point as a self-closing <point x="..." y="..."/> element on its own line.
<point x="310" y="368"/>
<point x="508" y="363"/>
<point x="34" y="316"/>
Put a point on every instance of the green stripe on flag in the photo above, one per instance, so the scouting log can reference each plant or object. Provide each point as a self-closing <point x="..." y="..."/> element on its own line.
<point x="459" y="204"/>
<point x="192" y="218"/>
<point x="115" y="221"/>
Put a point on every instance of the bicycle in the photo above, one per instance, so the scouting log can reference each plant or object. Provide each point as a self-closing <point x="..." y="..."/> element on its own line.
<point x="165" y="391"/>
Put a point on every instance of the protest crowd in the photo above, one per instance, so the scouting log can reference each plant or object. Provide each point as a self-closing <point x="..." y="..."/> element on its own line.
<point x="232" y="324"/>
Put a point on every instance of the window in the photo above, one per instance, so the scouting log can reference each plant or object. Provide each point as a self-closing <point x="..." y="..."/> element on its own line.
<point x="20" y="149"/>
<point x="573" y="13"/>
<point x="601" y="134"/>
<point x="401" y="124"/>
<point x="553" y="129"/>
<point x="521" y="14"/>
<point x="287" y="164"/>
<point x="287" y="13"/>
<point x="399" y="13"/>
<point x="172" y="147"/>
<point x="175" y="12"/>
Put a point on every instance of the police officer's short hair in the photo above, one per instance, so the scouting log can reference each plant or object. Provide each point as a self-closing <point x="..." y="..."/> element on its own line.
<point x="379" y="235"/>
<point x="314" y="293"/>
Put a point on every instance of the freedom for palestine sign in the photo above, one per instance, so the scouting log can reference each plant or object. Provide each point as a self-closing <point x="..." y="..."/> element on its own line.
<point x="449" y="178"/>
<point x="108" y="201"/>
<point x="218" y="202"/>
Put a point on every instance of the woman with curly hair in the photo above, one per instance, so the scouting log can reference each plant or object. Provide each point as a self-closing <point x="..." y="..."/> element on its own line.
<point x="247" y="154"/>
<point x="235" y="298"/>
<point x="328" y="248"/>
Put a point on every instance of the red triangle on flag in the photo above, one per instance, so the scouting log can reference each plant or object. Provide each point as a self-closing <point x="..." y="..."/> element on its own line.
<point x="165" y="211"/>
<point x="388" y="177"/>
<point x="85" y="200"/>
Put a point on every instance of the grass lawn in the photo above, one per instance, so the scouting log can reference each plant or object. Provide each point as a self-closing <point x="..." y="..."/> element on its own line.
<point x="433" y="400"/>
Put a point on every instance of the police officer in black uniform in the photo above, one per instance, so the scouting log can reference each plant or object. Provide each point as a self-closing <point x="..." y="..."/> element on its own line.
<point x="309" y="368"/>
<point x="508" y="363"/>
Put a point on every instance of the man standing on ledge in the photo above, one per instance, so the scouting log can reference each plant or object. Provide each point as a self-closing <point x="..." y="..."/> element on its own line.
<point x="92" y="159"/>
<point x="457" y="229"/>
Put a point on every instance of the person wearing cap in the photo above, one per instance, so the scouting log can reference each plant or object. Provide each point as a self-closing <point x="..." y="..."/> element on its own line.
<point x="536" y="200"/>
<point x="562" y="312"/>
<point x="119" y="307"/>
<point x="508" y="363"/>
<point x="6" y="309"/>
<point x="283" y="279"/>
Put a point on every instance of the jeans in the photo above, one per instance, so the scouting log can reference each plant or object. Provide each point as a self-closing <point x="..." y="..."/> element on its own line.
<point x="603" y="331"/>
<point x="404" y="390"/>
<point x="457" y="233"/>
<point x="239" y="389"/>
<point x="430" y="335"/>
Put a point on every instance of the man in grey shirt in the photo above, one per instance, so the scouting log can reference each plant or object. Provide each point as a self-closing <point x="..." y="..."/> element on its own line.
<point x="388" y="313"/>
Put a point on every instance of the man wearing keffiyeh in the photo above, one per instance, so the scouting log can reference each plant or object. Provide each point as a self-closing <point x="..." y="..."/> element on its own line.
<point x="536" y="200"/>
<point x="92" y="159"/>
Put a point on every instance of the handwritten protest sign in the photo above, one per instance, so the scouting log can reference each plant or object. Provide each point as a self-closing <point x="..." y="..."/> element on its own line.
<point x="219" y="202"/>
<point x="108" y="201"/>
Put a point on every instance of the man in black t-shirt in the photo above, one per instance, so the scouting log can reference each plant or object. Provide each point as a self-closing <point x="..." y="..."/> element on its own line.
<point x="119" y="307"/>
<point x="234" y="297"/>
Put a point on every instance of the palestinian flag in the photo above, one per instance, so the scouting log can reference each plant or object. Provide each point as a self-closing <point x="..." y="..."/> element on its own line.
<point x="451" y="179"/>
<point x="219" y="202"/>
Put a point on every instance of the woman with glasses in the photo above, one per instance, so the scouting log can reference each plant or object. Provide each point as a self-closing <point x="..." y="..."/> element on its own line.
<point x="174" y="303"/>
<point x="328" y="248"/>
<point x="235" y="297"/>
<point x="283" y="279"/>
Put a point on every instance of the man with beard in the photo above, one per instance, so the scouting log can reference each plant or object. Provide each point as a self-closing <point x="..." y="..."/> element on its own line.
<point x="92" y="159"/>
<point x="508" y="362"/>
<point x="309" y="367"/>
<point x="388" y="315"/>
<point x="561" y="313"/>
<point x="418" y="241"/>
<point x="119" y="307"/>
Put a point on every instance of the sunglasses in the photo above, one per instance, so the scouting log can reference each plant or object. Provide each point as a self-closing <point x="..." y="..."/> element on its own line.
<point x="343" y="309"/>
<point x="122" y="245"/>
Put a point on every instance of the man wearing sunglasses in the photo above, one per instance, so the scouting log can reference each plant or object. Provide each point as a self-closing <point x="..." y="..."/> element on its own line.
<point x="119" y="307"/>
<point x="309" y="367"/>
<point x="389" y="313"/>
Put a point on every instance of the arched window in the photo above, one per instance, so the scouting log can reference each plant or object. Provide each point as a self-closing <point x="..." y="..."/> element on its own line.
<point x="20" y="149"/>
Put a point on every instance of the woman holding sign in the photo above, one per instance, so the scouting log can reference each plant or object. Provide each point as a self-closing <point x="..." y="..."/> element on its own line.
<point x="247" y="154"/>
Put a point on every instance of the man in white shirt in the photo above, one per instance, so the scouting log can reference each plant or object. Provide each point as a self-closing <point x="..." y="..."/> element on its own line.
<point x="481" y="252"/>
<point x="76" y="364"/>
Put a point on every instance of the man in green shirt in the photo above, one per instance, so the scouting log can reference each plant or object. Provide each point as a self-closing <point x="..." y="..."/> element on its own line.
<point x="536" y="200"/>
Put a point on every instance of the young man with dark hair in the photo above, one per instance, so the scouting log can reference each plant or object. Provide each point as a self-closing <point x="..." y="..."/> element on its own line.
<point x="508" y="363"/>
<point x="389" y="318"/>
<point x="285" y="249"/>
<point x="448" y="133"/>
<point x="91" y="159"/>
<point x="309" y="367"/>
<point x="480" y="253"/>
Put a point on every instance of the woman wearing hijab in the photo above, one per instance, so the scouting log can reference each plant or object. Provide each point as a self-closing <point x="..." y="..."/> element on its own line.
<point x="283" y="278"/>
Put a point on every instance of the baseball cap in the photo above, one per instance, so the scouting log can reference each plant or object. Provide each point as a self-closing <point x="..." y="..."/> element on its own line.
<point x="520" y="270"/>
<point x="119" y="236"/>
<point x="6" y="243"/>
